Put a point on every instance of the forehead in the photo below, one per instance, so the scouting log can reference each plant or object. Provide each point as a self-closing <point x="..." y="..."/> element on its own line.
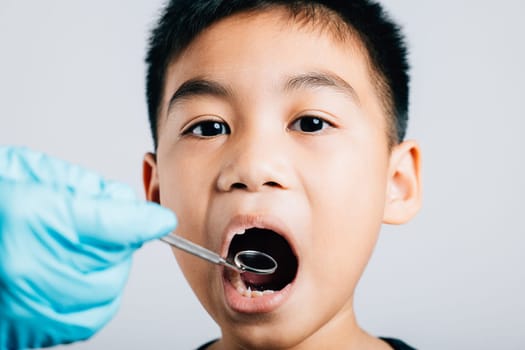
<point x="259" y="49"/>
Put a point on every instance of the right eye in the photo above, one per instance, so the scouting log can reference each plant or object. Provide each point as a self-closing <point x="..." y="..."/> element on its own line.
<point x="208" y="128"/>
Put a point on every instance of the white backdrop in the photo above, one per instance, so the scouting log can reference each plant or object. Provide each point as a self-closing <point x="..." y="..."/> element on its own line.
<point x="72" y="85"/>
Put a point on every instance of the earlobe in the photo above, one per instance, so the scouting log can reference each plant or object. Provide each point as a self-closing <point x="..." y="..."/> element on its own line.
<point x="403" y="197"/>
<point x="150" y="177"/>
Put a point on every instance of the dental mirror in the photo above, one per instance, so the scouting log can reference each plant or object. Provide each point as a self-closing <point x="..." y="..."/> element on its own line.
<point x="251" y="261"/>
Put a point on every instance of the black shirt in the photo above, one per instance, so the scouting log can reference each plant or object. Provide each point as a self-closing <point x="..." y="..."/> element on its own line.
<point x="395" y="344"/>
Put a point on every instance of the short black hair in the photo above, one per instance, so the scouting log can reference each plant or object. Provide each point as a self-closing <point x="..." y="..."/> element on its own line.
<point x="182" y="20"/>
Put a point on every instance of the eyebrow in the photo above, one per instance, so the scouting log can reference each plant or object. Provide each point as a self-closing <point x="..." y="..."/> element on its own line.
<point x="321" y="79"/>
<point x="198" y="87"/>
<point x="205" y="87"/>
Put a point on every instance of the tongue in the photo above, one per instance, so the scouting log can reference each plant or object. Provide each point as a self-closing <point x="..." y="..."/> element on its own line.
<point x="255" y="279"/>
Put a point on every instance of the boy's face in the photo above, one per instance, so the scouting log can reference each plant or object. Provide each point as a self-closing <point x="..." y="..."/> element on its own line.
<point x="284" y="131"/>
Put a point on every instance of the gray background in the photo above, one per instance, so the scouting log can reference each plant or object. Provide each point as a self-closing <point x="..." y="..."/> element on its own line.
<point x="71" y="84"/>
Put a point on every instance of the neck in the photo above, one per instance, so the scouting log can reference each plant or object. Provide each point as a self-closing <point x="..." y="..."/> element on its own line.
<point x="341" y="332"/>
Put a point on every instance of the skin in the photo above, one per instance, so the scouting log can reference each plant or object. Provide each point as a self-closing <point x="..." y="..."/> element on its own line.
<point x="333" y="188"/>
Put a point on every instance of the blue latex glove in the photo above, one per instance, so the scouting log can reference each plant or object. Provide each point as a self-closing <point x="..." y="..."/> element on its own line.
<point x="66" y="241"/>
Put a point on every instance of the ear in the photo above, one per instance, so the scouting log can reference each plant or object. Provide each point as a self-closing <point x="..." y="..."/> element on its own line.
<point x="150" y="177"/>
<point x="403" y="197"/>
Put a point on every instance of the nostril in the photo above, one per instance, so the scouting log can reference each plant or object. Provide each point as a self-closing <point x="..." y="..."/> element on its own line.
<point x="242" y="186"/>
<point x="239" y="186"/>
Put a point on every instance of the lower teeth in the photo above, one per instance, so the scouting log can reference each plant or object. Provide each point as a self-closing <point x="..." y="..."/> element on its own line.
<point x="238" y="283"/>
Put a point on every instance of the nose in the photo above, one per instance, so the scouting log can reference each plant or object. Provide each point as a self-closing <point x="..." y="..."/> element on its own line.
<point x="254" y="165"/>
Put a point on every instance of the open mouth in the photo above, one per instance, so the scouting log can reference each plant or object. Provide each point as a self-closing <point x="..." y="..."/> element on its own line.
<point x="269" y="242"/>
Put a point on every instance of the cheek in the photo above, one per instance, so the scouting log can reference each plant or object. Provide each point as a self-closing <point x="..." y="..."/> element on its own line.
<point x="350" y="186"/>
<point x="185" y="193"/>
<point x="347" y="214"/>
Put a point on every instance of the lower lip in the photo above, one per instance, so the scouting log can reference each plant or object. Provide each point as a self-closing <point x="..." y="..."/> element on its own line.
<point x="254" y="305"/>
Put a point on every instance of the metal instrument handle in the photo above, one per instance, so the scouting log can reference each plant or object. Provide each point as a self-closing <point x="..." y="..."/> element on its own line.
<point x="198" y="251"/>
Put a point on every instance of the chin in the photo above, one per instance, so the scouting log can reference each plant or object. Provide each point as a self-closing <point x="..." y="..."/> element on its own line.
<point x="275" y="336"/>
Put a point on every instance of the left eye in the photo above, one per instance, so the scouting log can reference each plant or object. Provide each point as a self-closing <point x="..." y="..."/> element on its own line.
<point x="310" y="124"/>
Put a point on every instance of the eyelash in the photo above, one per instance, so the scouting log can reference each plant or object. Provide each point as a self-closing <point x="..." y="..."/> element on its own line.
<point x="222" y="128"/>
<point x="314" y="122"/>
<point x="210" y="126"/>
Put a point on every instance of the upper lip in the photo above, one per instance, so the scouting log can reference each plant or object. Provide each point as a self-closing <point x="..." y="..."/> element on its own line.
<point x="242" y="222"/>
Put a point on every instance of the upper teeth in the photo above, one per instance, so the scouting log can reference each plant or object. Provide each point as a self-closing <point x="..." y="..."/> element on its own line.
<point x="241" y="232"/>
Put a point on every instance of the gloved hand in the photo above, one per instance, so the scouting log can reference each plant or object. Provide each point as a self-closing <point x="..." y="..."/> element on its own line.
<point x="66" y="241"/>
